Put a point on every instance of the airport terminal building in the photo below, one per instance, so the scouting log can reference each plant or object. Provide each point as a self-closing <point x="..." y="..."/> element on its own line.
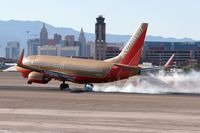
<point x="159" y="52"/>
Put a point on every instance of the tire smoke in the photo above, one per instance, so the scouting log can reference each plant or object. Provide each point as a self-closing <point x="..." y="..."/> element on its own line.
<point x="159" y="83"/>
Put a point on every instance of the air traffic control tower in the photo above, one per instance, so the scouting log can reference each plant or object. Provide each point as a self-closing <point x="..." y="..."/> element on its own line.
<point x="100" y="39"/>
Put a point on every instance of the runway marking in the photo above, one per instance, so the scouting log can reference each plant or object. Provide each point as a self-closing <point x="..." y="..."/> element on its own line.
<point x="102" y="114"/>
<point x="100" y="123"/>
<point x="61" y="126"/>
<point x="9" y="100"/>
<point x="81" y="127"/>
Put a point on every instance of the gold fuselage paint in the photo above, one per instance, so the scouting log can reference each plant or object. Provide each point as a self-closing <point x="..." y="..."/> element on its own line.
<point x="70" y="66"/>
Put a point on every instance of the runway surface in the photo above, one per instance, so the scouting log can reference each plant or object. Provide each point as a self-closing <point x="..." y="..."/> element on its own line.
<point x="43" y="108"/>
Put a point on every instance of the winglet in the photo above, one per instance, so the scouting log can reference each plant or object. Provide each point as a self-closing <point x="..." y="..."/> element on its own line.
<point x="20" y="61"/>
<point x="169" y="62"/>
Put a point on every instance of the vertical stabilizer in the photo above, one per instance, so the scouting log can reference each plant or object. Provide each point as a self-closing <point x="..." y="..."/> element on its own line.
<point x="131" y="53"/>
<point x="170" y="62"/>
<point x="20" y="61"/>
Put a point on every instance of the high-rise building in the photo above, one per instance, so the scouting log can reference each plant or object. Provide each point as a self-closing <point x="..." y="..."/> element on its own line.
<point x="57" y="38"/>
<point x="69" y="40"/>
<point x="84" y="48"/>
<point x="12" y="50"/>
<point x="91" y="45"/>
<point x="43" y="36"/>
<point x="33" y="46"/>
<point x="100" y="38"/>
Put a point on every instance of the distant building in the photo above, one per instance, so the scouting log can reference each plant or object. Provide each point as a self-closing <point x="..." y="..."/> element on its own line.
<point x="4" y="60"/>
<point x="47" y="50"/>
<point x="100" y="39"/>
<point x="43" y="36"/>
<point x="69" y="40"/>
<point x="51" y="42"/>
<point x="91" y="44"/>
<point x="159" y="52"/>
<point x="12" y="50"/>
<point x="57" y="38"/>
<point x="84" y="48"/>
<point x="68" y="51"/>
<point x="33" y="46"/>
<point x="58" y="50"/>
<point x="113" y="49"/>
<point x="120" y="45"/>
<point x="76" y="43"/>
<point x="62" y="43"/>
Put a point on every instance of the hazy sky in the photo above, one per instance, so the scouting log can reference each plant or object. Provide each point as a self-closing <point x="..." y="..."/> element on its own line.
<point x="168" y="18"/>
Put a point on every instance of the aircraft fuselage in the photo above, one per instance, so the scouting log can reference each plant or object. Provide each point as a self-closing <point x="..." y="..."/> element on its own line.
<point x="82" y="70"/>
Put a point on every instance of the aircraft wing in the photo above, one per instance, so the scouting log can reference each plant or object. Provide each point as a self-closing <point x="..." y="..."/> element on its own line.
<point x="58" y="75"/>
<point x="48" y="73"/>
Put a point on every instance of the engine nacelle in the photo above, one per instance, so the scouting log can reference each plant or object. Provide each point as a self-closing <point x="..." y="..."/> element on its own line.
<point x="37" y="78"/>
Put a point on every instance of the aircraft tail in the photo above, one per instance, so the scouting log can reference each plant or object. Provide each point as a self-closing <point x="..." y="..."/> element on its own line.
<point x="131" y="53"/>
<point x="170" y="62"/>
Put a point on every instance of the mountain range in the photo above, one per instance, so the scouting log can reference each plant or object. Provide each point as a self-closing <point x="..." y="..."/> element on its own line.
<point x="16" y="30"/>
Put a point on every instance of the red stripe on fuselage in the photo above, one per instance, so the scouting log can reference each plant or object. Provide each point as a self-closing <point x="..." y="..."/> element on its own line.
<point x="24" y="72"/>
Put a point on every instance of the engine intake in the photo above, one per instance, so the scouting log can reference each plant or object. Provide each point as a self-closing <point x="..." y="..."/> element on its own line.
<point x="37" y="78"/>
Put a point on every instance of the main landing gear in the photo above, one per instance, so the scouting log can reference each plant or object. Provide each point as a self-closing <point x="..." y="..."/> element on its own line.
<point x="29" y="82"/>
<point x="88" y="87"/>
<point x="64" y="86"/>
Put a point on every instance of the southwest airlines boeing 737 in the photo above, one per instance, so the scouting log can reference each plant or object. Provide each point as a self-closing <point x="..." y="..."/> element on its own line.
<point x="42" y="68"/>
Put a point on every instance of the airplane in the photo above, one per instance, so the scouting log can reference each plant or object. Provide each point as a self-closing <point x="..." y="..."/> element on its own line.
<point x="154" y="69"/>
<point x="43" y="68"/>
<point x="169" y="63"/>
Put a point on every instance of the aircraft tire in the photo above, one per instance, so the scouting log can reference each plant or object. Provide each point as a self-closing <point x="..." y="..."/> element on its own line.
<point x="29" y="82"/>
<point x="64" y="86"/>
<point x="88" y="87"/>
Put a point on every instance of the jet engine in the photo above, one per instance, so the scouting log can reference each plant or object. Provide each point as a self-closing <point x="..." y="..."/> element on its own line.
<point x="37" y="78"/>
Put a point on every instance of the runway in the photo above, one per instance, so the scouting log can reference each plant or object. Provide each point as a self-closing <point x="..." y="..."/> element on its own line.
<point x="43" y="108"/>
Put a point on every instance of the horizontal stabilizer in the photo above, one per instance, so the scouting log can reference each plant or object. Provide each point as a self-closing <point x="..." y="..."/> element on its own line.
<point x="127" y="67"/>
